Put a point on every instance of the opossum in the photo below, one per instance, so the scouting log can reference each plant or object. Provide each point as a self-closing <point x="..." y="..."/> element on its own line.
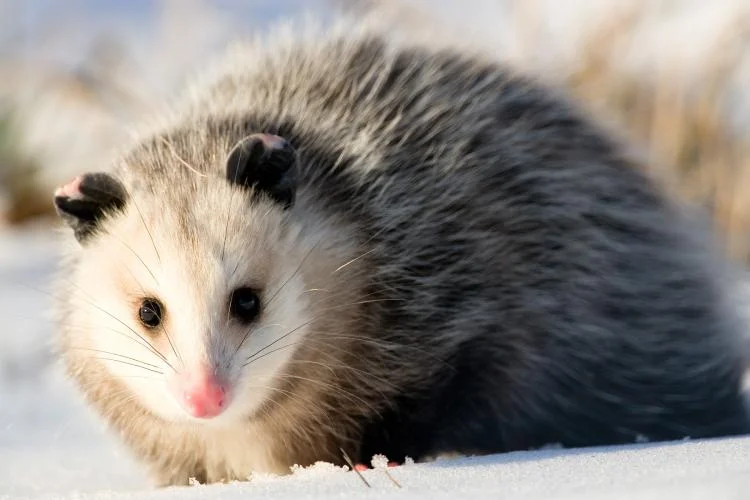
<point x="356" y="245"/>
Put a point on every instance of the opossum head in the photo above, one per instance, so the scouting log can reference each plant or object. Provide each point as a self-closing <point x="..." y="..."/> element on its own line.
<point x="192" y="289"/>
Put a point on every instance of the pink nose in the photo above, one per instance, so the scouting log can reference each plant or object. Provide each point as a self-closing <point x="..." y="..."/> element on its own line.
<point x="201" y="394"/>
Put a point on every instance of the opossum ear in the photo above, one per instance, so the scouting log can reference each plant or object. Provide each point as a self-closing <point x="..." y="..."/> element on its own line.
<point x="267" y="163"/>
<point x="83" y="201"/>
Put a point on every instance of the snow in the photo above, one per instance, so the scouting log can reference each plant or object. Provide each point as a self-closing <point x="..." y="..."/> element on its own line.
<point x="52" y="446"/>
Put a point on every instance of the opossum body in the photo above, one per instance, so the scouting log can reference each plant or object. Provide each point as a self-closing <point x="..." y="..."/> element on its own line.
<point x="386" y="249"/>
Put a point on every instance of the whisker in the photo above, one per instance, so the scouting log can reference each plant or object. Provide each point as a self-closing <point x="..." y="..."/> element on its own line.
<point x="247" y="334"/>
<point x="239" y="261"/>
<point x="355" y="259"/>
<point x="311" y="362"/>
<point x="325" y="311"/>
<point x="352" y="467"/>
<point x="289" y="394"/>
<point x="368" y="375"/>
<point x="299" y="267"/>
<point x="385" y="344"/>
<point x="124" y="334"/>
<point x="364" y="244"/>
<point x="226" y="225"/>
<point x="145" y="226"/>
<point x="344" y="293"/>
<point x="180" y="158"/>
<point x="270" y="399"/>
<point x="169" y="340"/>
<point x="85" y="297"/>
<point x="334" y="387"/>
<point x="253" y="358"/>
<point x="114" y="360"/>
<point x="393" y="480"/>
<point x="274" y="342"/>
<point x="147" y="343"/>
<point x="148" y="269"/>
<point x="141" y="376"/>
<point x="341" y="366"/>
<point x="300" y="432"/>
<point x="341" y="390"/>
<point x="229" y="209"/>
<point x="161" y="323"/>
<point x="113" y="354"/>
<point x="316" y="336"/>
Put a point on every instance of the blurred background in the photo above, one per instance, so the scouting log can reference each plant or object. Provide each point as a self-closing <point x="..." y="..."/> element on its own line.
<point x="674" y="75"/>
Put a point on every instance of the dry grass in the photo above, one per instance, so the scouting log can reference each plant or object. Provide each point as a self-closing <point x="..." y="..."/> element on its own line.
<point x="18" y="176"/>
<point x="691" y="141"/>
<point x="685" y="124"/>
<point x="683" y="121"/>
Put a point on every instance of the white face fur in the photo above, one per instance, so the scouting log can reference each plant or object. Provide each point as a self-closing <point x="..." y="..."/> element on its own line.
<point x="191" y="269"/>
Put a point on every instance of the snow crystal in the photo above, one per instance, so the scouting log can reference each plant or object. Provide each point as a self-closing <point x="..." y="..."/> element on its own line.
<point x="317" y="469"/>
<point x="379" y="462"/>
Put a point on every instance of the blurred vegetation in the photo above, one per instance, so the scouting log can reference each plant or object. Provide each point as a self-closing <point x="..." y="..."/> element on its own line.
<point x="694" y="146"/>
<point x="686" y="125"/>
<point x="19" y="179"/>
<point x="76" y="75"/>
<point x="670" y="75"/>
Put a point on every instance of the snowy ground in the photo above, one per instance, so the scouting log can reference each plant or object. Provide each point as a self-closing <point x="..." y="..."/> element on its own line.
<point x="52" y="447"/>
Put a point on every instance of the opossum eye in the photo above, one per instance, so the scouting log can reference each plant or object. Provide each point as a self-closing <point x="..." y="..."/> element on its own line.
<point x="244" y="304"/>
<point x="150" y="313"/>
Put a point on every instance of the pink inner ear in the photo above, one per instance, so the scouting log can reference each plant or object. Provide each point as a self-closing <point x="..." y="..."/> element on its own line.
<point x="70" y="190"/>
<point x="272" y="141"/>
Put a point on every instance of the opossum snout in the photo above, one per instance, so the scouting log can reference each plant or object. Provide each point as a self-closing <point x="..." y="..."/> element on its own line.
<point x="200" y="392"/>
